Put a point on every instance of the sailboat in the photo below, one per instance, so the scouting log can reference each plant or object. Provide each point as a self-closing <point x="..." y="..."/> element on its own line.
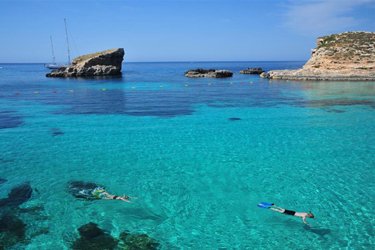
<point x="54" y="65"/>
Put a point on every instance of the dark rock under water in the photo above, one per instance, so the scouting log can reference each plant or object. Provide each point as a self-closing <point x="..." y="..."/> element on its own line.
<point x="94" y="238"/>
<point x="12" y="231"/>
<point x="138" y="241"/>
<point x="17" y="196"/>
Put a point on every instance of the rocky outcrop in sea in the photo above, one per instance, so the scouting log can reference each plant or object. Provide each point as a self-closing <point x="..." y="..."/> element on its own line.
<point x="104" y="63"/>
<point x="252" y="71"/>
<point x="210" y="73"/>
<point x="348" y="56"/>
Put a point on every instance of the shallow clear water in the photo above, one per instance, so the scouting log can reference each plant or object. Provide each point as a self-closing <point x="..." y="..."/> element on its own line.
<point x="198" y="174"/>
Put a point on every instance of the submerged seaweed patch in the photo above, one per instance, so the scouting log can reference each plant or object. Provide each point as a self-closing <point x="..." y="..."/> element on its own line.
<point x="2" y="180"/>
<point x="328" y="104"/>
<point x="335" y="111"/>
<point x="9" y="120"/>
<point x="339" y="102"/>
<point x="234" y="119"/>
<point x="56" y="132"/>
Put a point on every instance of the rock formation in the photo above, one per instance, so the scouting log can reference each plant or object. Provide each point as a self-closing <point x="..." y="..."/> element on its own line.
<point x="211" y="73"/>
<point x="252" y="71"/>
<point x="105" y="63"/>
<point x="345" y="56"/>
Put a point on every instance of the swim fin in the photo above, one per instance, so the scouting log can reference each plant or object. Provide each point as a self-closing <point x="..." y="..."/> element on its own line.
<point x="265" y="205"/>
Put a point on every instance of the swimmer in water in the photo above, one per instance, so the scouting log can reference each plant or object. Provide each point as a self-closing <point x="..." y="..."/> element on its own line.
<point x="100" y="193"/>
<point x="302" y="215"/>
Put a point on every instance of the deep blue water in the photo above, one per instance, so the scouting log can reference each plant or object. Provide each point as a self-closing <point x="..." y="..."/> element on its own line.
<point x="198" y="153"/>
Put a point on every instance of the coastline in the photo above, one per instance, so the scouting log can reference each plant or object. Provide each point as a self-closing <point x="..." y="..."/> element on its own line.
<point x="300" y="75"/>
<point x="348" y="56"/>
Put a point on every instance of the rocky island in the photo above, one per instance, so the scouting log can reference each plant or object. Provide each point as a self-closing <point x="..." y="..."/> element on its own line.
<point x="337" y="57"/>
<point x="252" y="71"/>
<point x="211" y="73"/>
<point x="104" y="63"/>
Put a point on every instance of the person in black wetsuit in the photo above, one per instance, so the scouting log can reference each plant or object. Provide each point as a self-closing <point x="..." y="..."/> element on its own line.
<point x="302" y="215"/>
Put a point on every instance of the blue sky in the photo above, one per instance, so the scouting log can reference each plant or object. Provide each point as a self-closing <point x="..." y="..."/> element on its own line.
<point x="177" y="30"/>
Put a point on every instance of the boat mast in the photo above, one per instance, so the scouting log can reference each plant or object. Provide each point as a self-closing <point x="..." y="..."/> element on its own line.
<point x="67" y="40"/>
<point x="53" y="52"/>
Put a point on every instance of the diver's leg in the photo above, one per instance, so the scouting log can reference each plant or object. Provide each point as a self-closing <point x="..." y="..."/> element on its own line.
<point x="278" y="209"/>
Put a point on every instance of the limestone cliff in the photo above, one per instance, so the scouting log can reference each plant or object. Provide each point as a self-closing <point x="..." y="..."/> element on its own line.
<point x="344" y="56"/>
<point x="104" y="63"/>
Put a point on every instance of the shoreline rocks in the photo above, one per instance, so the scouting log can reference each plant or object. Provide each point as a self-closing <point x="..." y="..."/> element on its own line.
<point x="208" y="73"/>
<point x="104" y="63"/>
<point x="296" y="75"/>
<point x="252" y="71"/>
<point x="348" y="56"/>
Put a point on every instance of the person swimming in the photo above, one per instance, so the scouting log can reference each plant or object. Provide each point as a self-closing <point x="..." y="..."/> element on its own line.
<point x="302" y="215"/>
<point x="100" y="193"/>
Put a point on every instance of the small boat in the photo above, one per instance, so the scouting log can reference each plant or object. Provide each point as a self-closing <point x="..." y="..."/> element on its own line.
<point x="54" y="65"/>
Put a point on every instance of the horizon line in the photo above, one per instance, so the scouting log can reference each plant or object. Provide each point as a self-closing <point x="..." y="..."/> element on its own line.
<point x="173" y="61"/>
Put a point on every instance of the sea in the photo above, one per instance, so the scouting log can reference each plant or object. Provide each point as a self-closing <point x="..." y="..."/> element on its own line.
<point x="198" y="155"/>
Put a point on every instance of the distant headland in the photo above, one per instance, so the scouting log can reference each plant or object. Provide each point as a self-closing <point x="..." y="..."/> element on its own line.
<point x="104" y="63"/>
<point x="337" y="57"/>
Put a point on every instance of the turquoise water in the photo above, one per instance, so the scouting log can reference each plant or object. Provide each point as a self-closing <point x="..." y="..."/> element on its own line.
<point x="198" y="175"/>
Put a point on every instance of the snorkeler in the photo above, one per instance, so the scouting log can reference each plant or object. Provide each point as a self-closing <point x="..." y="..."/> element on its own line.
<point x="302" y="215"/>
<point x="100" y="193"/>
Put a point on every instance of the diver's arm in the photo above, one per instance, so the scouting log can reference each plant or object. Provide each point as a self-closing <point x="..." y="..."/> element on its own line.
<point x="304" y="220"/>
<point x="108" y="196"/>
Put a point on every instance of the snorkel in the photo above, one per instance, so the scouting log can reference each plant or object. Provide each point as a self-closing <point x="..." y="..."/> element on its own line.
<point x="311" y="215"/>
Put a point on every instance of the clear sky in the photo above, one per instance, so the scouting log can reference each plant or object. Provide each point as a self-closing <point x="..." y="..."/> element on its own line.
<point x="177" y="30"/>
